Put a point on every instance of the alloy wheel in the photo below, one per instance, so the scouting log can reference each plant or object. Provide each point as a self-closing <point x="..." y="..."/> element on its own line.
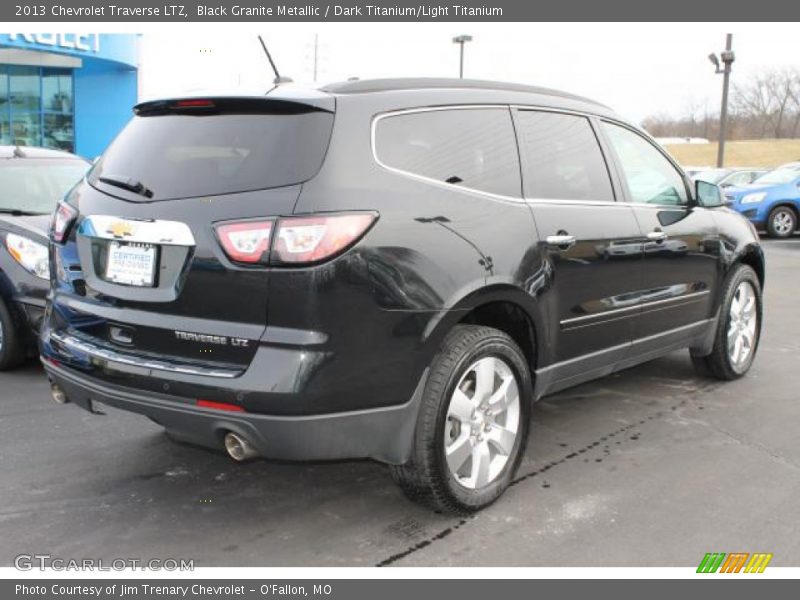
<point x="742" y="324"/>
<point x="783" y="222"/>
<point x="483" y="420"/>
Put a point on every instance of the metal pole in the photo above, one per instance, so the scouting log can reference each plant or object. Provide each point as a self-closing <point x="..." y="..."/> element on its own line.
<point x="727" y="60"/>
<point x="461" y="62"/>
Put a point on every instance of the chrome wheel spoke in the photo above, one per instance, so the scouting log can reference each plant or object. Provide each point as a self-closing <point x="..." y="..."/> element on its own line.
<point x="481" y="464"/>
<point x="458" y="452"/>
<point x="502" y="439"/>
<point x="461" y="406"/>
<point x="507" y="392"/>
<point x="484" y="378"/>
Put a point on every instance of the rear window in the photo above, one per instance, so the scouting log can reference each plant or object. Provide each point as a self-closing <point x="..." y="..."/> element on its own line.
<point x="35" y="185"/>
<point x="189" y="155"/>
<point x="472" y="148"/>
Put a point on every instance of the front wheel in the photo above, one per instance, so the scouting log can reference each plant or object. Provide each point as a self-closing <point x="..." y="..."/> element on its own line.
<point x="738" y="330"/>
<point x="472" y="424"/>
<point x="782" y="222"/>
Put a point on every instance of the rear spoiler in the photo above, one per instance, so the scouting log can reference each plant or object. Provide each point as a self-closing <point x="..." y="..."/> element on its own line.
<point x="208" y="105"/>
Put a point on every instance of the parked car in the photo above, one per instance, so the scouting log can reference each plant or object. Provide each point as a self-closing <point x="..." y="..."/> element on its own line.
<point x="772" y="201"/>
<point x="32" y="180"/>
<point x="693" y="171"/>
<point x="399" y="282"/>
<point x="730" y="177"/>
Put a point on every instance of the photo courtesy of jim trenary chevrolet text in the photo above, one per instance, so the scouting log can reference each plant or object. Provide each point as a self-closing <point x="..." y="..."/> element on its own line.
<point x="393" y="299"/>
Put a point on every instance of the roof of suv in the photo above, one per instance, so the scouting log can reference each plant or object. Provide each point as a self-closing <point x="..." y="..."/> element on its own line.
<point x="368" y="86"/>
<point x="34" y="152"/>
<point x="412" y="91"/>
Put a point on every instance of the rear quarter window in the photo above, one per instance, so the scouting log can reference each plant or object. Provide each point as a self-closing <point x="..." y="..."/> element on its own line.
<point x="472" y="147"/>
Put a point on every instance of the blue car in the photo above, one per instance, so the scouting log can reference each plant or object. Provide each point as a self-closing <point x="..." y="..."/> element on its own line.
<point x="772" y="201"/>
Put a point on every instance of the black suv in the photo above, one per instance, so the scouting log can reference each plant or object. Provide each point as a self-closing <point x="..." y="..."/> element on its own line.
<point x="392" y="269"/>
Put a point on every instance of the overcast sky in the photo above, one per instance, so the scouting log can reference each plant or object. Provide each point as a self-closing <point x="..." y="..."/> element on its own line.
<point x="637" y="69"/>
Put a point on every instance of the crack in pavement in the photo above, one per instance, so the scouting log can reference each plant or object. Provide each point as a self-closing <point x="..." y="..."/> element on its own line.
<point x="543" y="469"/>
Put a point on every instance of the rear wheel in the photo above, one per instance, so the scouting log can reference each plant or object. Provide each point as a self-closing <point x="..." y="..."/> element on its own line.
<point x="11" y="350"/>
<point x="472" y="424"/>
<point x="782" y="222"/>
<point x="739" y="328"/>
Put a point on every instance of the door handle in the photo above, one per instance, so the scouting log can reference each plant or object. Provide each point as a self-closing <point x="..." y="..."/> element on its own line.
<point x="561" y="241"/>
<point x="657" y="236"/>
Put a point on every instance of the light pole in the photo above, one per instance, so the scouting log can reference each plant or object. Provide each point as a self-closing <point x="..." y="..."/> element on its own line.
<point x="461" y="40"/>
<point x="727" y="57"/>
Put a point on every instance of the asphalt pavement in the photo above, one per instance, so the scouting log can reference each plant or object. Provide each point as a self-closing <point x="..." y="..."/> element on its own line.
<point x="653" y="466"/>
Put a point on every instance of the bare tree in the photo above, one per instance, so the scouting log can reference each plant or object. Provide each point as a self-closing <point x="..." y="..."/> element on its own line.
<point x="766" y="105"/>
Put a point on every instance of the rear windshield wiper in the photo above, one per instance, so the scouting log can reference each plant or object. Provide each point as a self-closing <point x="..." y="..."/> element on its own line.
<point x="16" y="212"/>
<point x="126" y="183"/>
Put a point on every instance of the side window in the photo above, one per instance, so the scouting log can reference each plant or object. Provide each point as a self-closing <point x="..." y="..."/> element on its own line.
<point x="473" y="148"/>
<point x="563" y="159"/>
<point x="651" y="177"/>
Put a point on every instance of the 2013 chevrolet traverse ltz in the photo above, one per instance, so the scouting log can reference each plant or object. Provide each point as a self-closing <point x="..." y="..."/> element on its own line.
<point x="392" y="269"/>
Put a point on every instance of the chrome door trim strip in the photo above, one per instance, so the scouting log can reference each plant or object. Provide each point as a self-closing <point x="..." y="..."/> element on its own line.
<point x="633" y="307"/>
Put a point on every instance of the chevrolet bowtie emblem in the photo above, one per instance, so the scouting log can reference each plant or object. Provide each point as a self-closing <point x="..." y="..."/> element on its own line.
<point x="120" y="229"/>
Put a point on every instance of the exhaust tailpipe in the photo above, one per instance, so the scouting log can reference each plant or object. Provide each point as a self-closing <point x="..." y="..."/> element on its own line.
<point x="59" y="397"/>
<point x="239" y="448"/>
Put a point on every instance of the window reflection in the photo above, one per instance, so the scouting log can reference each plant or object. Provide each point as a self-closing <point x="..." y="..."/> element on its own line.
<point x="24" y="83"/>
<point x="36" y="107"/>
<point x="5" y="124"/>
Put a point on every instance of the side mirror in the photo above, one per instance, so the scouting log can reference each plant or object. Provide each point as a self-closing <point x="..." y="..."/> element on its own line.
<point x="708" y="195"/>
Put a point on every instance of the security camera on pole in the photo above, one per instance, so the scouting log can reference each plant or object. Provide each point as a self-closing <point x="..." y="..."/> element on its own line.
<point x="727" y="57"/>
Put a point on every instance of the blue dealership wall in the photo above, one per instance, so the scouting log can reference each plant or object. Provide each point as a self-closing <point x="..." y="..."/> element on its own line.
<point x="105" y="85"/>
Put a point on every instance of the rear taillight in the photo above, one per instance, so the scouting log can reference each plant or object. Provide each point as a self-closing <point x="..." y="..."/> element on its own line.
<point x="307" y="240"/>
<point x="247" y="241"/>
<point x="296" y="240"/>
<point x="63" y="218"/>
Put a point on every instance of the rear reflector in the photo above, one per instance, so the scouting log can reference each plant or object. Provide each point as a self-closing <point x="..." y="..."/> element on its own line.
<point x="219" y="405"/>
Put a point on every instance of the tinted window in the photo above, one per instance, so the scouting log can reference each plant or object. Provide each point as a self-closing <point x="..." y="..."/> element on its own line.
<point x="36" y="184"/>
<point x="650" y="176"/>
<point x="472" y="148"/>
<point x="562" y="158"/>
<point x="181" y="156"/>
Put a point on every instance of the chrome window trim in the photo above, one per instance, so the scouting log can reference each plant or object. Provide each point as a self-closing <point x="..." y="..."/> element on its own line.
<point x="517" y="200"/>
<point x="690" y="200"/>
<point x="634" y="307"/>
<point x="163" y="233"/>
<point x="449" y="186"/>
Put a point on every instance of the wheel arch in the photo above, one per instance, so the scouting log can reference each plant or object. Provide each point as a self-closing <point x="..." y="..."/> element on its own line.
<point x="502" y="307"/>
<point x="753" y="256"/>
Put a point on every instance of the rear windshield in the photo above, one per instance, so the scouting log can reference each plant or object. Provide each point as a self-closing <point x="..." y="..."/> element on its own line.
<point x="183" y="155"/>
<point x="35" y="185"/>
<point x="780" y="175"/>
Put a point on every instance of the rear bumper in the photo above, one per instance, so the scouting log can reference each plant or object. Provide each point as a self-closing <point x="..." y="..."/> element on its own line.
<point x="383" y="434"/>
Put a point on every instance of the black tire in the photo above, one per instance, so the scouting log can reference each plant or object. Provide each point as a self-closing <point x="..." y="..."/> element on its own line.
<point x="11" y="349"/>
<point x="788" y="215"/>
<point x="426" y="477"/>
<point x="719" y="364"/>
